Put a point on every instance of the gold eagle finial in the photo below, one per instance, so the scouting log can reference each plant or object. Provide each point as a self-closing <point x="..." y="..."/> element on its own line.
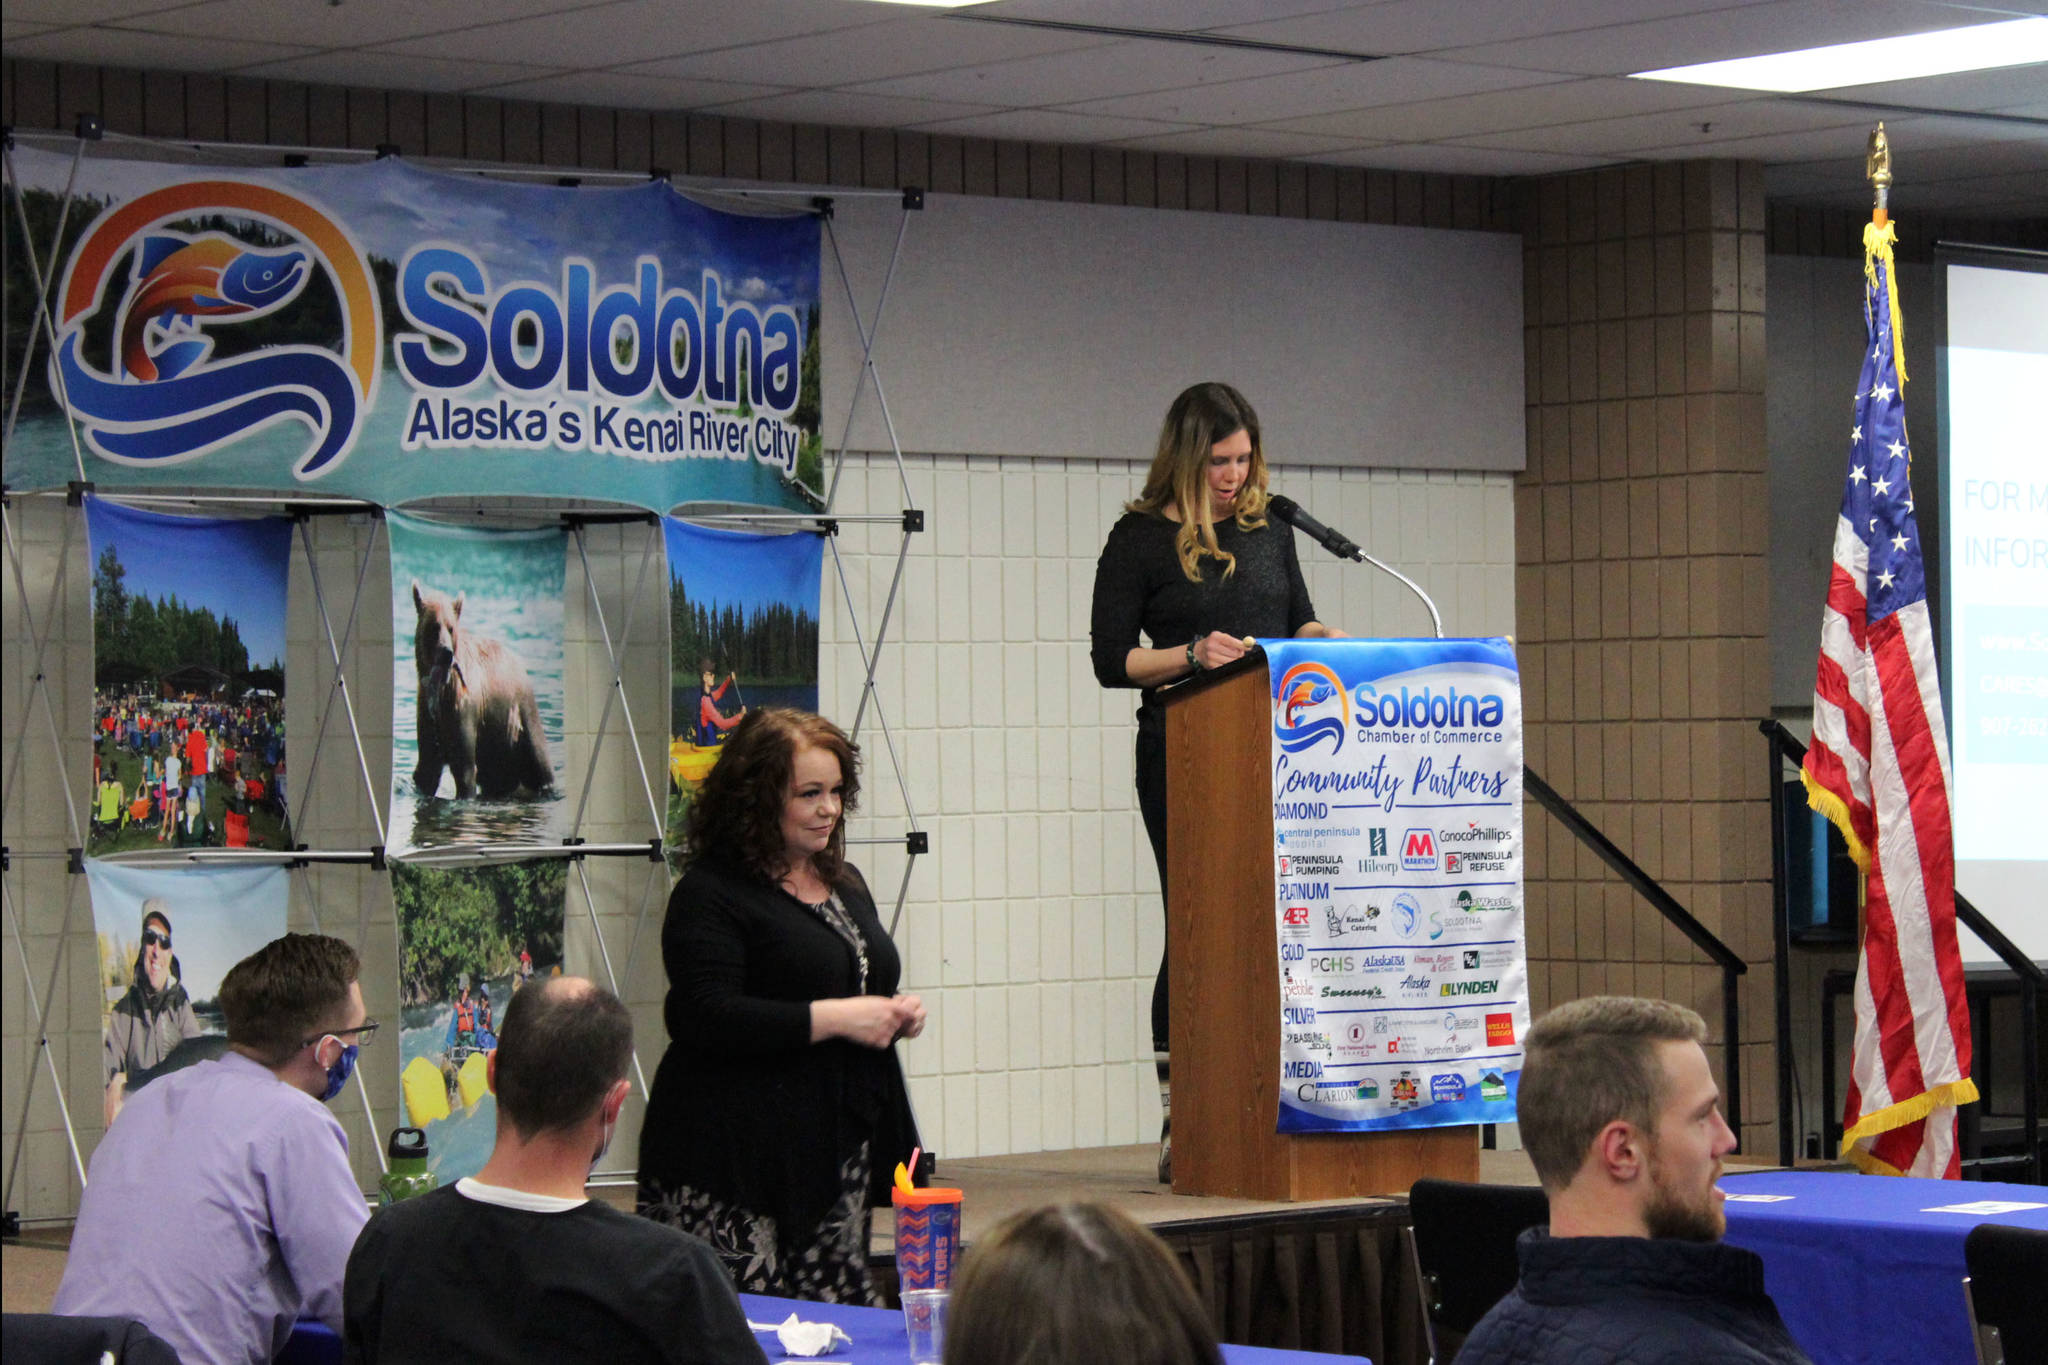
<point x="1877" y="161"/>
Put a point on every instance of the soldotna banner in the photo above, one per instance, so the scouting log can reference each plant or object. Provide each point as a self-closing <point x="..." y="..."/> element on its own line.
<point x="1397" y="834"/>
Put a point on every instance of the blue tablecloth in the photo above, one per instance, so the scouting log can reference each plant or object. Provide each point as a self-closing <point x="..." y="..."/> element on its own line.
<point x="1867" y="1268"/>
<point x="879" y="1338"/>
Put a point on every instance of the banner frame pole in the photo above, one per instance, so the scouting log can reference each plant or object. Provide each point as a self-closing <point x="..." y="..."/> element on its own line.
<point x="347" y="637"/>
<point x="617" y="691"/>
<point x="655" y="873"/>
<point x="341" y="670"/>
<point x="605" y="953"/>
<point x="28" y="1090"/>
<point x="868" y="373"/>
<point x="39" y="688"/>
<point x="42" y="323"/>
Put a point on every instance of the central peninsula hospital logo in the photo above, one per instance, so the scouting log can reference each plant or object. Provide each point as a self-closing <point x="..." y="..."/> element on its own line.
<point x="154" y="393"/>
<point x="1309" y="707"/>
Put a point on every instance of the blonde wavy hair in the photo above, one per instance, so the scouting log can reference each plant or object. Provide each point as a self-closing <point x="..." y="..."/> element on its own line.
<point x="1201" y="416"/>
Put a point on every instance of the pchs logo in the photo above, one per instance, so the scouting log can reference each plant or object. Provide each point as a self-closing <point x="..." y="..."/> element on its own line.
<point x="160" y="396"/>
<point x="1309" y="706"/>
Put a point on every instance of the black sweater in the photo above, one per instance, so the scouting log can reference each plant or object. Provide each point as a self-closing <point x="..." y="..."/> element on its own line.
<point x="1139" y="586"/>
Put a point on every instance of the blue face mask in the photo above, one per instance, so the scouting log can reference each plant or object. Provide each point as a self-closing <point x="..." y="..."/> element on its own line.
<point x="338" y="1074"/>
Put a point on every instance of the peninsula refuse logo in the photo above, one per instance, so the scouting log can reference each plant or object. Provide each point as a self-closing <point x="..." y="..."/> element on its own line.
<point x="157" y="394"/>
<point x="1309" y="706"/>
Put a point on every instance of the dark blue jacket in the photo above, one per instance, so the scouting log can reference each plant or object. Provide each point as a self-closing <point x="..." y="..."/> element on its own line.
<point x="1592" y="1300"/>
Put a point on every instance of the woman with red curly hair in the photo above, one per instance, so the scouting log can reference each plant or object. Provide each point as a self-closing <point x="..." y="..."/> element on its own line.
<point x="779" y="1108"/>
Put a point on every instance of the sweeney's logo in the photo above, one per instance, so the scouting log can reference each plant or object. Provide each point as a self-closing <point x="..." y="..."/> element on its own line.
<point x="160" y="396"/>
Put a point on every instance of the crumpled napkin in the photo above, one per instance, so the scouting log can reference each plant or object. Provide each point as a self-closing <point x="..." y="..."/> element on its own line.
<point x="804" y="1338"/>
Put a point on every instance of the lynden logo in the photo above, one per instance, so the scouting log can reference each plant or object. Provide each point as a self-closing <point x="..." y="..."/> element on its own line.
<point x="1308" y="708"/>
<point x="1377" y="839"/>
<point x="1428" y="710"/>
<point x="162" y="397"/>
<point x="1418" y="850"/>
<point x="1500" y="1030"/>
<point x="1469" y="987"/>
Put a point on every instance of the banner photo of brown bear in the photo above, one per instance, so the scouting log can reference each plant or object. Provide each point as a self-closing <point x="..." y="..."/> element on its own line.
<point x="477" y="685"/>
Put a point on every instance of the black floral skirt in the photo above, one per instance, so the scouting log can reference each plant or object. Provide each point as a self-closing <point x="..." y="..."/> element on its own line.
<point x="826" y="1263"/>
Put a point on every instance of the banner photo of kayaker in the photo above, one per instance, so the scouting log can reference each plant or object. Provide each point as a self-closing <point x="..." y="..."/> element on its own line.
<point x="477" y="685"/>
<point x="167" y="936"/>
<point x="188" y="624"/>
<point x="389" y="332"/>
<point x="468" y="938"/>
<point x="742" y="632"/>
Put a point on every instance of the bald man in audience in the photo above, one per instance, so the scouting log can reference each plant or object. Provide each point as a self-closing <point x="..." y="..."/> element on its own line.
<point x="516" y="1264"/>
<point x="1622" y="1118"/>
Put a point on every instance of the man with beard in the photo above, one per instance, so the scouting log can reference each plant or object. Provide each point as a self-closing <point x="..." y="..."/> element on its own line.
<point x="1622" y="1119"/>
<point x="153" y="1017"/>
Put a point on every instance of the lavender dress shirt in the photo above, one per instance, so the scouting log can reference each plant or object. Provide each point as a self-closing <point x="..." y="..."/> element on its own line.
<point x="220" y="1209"/>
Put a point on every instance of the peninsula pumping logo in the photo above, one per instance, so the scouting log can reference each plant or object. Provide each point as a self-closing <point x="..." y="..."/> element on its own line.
<point x="160" y="393"/>
<point x="1309" y="707"/>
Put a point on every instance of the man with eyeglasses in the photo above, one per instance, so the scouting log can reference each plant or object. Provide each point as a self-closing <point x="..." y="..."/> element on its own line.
<point x="155" y="1015"/>
<point x="221" y="1206"/>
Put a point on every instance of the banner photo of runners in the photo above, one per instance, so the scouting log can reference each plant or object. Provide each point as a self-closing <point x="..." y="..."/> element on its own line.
<point x="188" y="623"/>
<point x="386" y="332"/>
<point x="743" y="632"/>
<point x="167" y="936"/>
<point x="1397" y="837"/>
<point x="468" y="938"/>
<point x="477" y="685"/>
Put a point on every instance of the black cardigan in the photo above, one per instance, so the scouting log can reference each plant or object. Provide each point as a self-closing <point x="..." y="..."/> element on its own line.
<point x="745" y="1107"/>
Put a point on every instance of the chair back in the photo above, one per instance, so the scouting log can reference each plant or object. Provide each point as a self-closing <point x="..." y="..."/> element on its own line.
<point x="2008" y="1269"/>
<point x="1465" y="1244"/>
<point x="50" y="1339"/>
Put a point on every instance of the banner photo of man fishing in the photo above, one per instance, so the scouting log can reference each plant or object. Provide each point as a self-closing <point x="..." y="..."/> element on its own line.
<point x="743" y="632"/>
<point x="477" y="685"/>
<point x="188" y="625"/>
<point x="468" y="939"/>
<point x="167" y="936"/>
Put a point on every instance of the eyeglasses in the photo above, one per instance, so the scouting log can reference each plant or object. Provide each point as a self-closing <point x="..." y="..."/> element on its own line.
<point x="363" y="1033"/>
<point x="154" y="938"/>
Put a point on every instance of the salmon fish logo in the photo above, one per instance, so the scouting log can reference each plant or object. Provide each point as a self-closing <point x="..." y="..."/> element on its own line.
<point x="161" y="397"/>
<point x="1303" y="704"/>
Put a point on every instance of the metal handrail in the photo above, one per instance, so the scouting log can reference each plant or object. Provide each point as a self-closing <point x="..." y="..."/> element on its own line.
<point x="1646" y="886"/>
<point x="1785" y="745"/>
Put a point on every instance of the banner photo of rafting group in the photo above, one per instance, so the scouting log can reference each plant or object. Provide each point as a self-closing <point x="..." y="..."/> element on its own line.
<point x="167" y="937"/>
<point x="188" y="680"/>
<point x="743" y="633"/>
<point x="468" y="940"/>
<point x="386" y="332"/>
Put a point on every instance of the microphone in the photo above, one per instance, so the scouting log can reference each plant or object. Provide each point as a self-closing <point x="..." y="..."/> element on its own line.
<point x="1290" y="511"/>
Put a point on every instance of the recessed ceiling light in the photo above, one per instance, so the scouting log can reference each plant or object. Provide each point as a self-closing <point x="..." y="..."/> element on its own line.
<point x="1980" y="47"/>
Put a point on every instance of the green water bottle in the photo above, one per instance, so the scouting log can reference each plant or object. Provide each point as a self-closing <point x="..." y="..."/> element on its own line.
<point x="408" y="1175"/>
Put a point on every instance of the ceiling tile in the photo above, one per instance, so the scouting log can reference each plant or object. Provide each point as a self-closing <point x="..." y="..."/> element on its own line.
<point x="1536" y="106"/>
<point x="1255" y="142"/>
<point x="1461" y="160"/>
<point x="12" y="29"/>
<point x="1844" y="143"/>
<point x="1126" y="67"/>
<point x="619" y="90"/>
<point x="895" y="47"/>
<point x="1967" y="90"/>
<point x="390" y="71"/>
<point x="635" y="30"/>
<point x="359" y="23"/>
<point x="1049" y="125"/>
<point x="147" y="51"/>
<point x="85" y="11"/>
<point x="1676" y="128"/>
<point x="1713" y="35"/>
<point x="1414" y="26"/>
<point x="1169" y="15"/>
<point x="842" y="109"/>
<point x="1323" y="90"/>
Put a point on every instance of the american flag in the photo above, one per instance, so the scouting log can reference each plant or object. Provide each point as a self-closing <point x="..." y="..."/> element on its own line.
<point x="1878" y="767"/>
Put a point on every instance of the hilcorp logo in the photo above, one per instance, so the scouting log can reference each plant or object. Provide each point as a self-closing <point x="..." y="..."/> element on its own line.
<point x="1302" y="709"/>
<point x="162" y="397"/>
<point x="1427" y="709"/>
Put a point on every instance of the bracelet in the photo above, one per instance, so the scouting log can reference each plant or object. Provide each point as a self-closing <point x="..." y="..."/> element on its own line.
<point x="1196" y="664"/>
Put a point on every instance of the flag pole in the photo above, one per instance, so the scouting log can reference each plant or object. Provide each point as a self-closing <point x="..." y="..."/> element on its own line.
<point x="1877" y="168"/>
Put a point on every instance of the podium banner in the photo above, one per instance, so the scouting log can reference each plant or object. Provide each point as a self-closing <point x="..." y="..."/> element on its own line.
<point x="1397" y="834"/>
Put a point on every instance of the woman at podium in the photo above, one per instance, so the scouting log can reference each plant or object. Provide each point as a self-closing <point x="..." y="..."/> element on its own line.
<point x="1194" y="566"/>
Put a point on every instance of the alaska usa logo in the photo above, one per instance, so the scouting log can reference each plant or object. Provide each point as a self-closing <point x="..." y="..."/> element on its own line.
<point x="1310" y="707"/>
<point x="161" y="396"/>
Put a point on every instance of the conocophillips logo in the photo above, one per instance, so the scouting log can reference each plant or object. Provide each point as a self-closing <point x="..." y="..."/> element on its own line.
<point x="1302" y="716"/>
<point x="162" y="398"/>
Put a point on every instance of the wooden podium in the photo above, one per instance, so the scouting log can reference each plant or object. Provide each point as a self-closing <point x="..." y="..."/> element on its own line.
<point x="1224" y="963"/>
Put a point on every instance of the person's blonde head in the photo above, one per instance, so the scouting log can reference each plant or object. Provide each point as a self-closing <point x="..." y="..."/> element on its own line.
<point x="1198" y="419"/>
<point x="1075" y="1283"/>
<point x="1587" y="1063"/>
